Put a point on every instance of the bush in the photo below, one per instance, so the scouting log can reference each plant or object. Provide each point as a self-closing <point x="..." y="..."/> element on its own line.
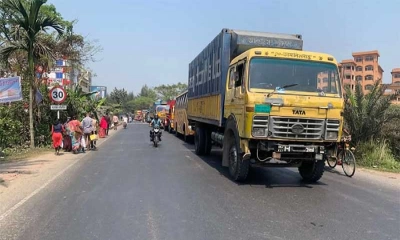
<point x="376" y="154"/>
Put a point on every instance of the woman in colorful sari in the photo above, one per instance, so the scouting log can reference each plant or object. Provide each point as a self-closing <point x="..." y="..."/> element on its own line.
<point x="56" y="135"/>
<point x="67" y="136"/>
<point x="103" y="127"/>
<point x="76" y="134"/>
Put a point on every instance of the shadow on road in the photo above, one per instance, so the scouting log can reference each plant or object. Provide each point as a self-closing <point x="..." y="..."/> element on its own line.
<point x="266" y="177"/>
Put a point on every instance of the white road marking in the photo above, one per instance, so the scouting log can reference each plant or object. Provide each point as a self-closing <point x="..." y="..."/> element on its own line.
<point x="195" y="162"/>
<point x="24" y="200"/>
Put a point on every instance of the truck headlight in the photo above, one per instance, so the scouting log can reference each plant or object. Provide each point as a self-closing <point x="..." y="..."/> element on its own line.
<point x="330" y="135"/>
<point x="258" y="132"/>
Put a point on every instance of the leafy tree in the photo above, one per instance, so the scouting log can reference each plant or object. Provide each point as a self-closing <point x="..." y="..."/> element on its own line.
<point x="168" y="92"/>
<point x="148" y="93"/>
<point x="366" y="114"/>
<point x="26" y="23"/>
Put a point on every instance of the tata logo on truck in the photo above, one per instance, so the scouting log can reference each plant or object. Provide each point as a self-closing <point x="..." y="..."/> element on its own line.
<point x="298" y="112"/>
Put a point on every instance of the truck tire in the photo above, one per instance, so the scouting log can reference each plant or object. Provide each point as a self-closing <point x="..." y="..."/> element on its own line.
<point x="238" y="169"/>
<point x="176" y="130"/>
<point x="312" y="171"/>
<point x="208" y="144"/>
<point x="199" y="141"/>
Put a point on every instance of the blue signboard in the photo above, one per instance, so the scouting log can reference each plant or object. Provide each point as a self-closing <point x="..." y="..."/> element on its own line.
<point x="101" y="92"/>
<point x="10" y="89"/>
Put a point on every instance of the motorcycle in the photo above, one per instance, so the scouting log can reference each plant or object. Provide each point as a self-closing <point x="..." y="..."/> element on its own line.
<point x="156" y="137"/>
<point x="125" y="125"/>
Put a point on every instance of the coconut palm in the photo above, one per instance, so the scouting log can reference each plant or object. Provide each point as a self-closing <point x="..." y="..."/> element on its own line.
<point x="26" y="24"/>
<point x="366" y="113"/>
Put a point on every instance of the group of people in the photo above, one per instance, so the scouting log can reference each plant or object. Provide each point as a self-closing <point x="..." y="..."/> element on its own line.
<point x="79" y="136"/>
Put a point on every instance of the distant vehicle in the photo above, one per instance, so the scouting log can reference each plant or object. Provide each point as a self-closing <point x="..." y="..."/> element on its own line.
<point x="182" y="126"/>
<point x="169" y="120"/>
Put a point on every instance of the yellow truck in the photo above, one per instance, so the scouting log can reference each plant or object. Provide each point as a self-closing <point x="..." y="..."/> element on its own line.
<point x="266" y="102"/>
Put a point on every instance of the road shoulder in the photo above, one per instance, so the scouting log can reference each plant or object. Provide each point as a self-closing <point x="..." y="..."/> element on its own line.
<point x="24" y="178"/>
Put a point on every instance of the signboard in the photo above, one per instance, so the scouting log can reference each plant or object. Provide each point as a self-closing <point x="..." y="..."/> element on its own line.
<point x="58" y="107"/>
<point x="58" y="95"/>
<point x="101" y="92"/>
<point x="10" y="89"/>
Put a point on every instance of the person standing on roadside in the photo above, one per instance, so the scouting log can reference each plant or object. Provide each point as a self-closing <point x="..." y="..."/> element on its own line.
<point x="115" y="121"/>
<point x="87" y="125"/>
<point x="95" y="125"/>
<point x="108" y="120"/>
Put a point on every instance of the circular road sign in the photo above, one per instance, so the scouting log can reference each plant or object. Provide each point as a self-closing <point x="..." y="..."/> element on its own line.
<point x="58" y="94"/>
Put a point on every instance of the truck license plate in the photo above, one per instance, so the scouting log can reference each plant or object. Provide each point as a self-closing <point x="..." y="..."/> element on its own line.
<point x="318" y="156"/>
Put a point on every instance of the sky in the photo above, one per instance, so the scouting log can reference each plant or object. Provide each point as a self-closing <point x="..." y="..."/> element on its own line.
<point x="153" y="41"/>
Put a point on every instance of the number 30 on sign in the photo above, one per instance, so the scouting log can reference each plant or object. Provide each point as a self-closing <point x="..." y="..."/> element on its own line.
<point x="58" y="94"/>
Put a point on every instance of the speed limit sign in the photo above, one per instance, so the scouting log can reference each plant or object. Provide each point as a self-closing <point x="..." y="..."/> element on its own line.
<point x="58" y="94"/>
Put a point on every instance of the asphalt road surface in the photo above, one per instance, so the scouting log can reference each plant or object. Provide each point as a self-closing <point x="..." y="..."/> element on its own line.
<point x="130" y="190"/>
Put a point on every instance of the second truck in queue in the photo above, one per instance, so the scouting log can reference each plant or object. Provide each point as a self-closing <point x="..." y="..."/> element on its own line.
<point x="266" y="102"/>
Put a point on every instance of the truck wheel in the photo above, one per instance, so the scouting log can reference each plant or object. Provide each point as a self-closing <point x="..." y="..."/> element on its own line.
<point x="208" y="144"/>
<point x="199" y="141"/>
<point x="176" y="130"/>
<point x="238" y="169"/>
<point x="312" y="171"/>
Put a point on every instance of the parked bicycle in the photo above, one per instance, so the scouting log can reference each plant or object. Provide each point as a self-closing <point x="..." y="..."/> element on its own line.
<point x="344" y="156"/>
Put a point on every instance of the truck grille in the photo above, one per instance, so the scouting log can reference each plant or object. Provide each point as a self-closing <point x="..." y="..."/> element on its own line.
<point x="260" y="121"/>
<point x="297" y="128"/>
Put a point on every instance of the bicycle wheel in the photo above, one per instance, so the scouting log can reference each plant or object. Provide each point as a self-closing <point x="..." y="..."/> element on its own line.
<point x="332" y="161"/>
<point x="349" y="163"/>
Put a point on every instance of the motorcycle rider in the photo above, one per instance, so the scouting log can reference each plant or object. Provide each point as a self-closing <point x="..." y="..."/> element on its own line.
<point x="154" y="123"/>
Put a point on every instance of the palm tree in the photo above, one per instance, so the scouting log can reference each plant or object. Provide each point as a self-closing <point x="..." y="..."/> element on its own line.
<point x="27" y="23"/>
<point x="366" y="114"/>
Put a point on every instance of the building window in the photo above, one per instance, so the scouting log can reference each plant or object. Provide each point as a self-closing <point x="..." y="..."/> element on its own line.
<point x="368" y="87"/>
<point x="359" y="69"/>
<point x="352" y="77"/>
<point x="348" y="77"/>
<point x="396" y="75"/>
<point x="358" y="59"/>
<point x="358" y="78"/>
<point x="325" y="80"/>
<point x="348" y="67"/>
<point x="369" y="58"/>
<point x="369" y="77"/>
<point x="369" y="68"/>
<point x="397" y="83"/>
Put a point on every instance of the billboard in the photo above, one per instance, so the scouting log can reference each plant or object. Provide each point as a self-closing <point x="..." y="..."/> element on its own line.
<point x="101" y="92"/>
<point x="10" y="89"/>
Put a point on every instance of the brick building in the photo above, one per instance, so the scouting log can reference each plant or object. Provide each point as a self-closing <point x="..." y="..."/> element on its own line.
<point x="363" y="68"/>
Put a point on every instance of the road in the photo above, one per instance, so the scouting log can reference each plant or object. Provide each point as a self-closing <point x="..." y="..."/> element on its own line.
<point x="129" y="190"/>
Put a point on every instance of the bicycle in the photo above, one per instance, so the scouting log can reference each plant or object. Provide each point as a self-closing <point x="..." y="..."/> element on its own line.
<point x="344" y="156"/>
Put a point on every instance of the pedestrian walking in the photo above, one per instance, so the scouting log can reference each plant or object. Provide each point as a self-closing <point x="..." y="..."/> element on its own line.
<point x="115" y="121"/>
<point x="103" y="127"/>
<point x="95" y="126"/>
<point x="108" y="120"/>
<point x="56" y="135"/>
<point x="87" y="125"/>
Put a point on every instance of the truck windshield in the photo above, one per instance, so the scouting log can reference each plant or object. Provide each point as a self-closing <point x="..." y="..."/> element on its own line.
<point x="267" y="73"/>
<point x="162" y="108"/>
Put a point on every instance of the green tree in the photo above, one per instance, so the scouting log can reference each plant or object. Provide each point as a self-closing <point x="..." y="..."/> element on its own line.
<point x="168" y="92"/>
<point x="148" y="93"/>
<point x="26" y="23"/>
<point x="366" y="114"/>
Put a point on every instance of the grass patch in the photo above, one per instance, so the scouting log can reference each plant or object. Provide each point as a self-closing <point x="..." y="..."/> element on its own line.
<point x="18" y="154"/>
<point x="377" y="155"/>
